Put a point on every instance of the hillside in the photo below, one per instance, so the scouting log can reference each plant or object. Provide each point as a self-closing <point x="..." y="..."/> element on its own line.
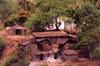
<point x="49" y="33"/>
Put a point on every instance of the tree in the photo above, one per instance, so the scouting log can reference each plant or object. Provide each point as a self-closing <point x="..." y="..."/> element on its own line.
<point x="8" y="8"/>
<point x="95" y="2"/>
<point x="37" y="22"/>
<point x="89" y="40"/>
<point x="23" y="15"/>
<point x="87" y="16"/>
<point x="3" y="8"/>
<point x="26" y="5"/>
<point x="91" y="16"/>
<point x="19" y="18"/>
<point x="96" y="53"/>
<point x="12" y="20"/>
<point x="47" y="13"/>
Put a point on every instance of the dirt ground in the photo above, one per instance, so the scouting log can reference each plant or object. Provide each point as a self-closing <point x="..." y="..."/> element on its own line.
<point x="11" y="44"/>
<point x="82" y="62"/>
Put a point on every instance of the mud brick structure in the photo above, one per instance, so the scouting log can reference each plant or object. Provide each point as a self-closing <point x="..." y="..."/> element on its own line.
<point x="50" y="44"/>
<point x="17" y="30"/>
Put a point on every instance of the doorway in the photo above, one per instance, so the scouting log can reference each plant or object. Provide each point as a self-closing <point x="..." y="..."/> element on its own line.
<point x="18" y="32"/>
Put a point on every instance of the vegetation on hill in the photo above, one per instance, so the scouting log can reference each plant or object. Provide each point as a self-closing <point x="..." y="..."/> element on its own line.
<point x="35" y="16"/>
<point x="2" y="46"/>
<point x="16" y="59"/>
<point x="89" y="19"/>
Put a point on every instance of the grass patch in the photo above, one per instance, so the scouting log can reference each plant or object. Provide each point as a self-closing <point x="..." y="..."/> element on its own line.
<point x="44" y="64"/>
<point x="2" y="28"/>
<point x="69" y="64"/>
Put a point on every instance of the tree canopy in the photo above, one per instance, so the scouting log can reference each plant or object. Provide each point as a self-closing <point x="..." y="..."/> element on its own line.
<point x="48" y="11"/>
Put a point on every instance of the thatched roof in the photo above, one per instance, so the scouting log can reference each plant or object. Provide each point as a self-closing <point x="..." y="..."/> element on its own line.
<point x="50" y="34"/>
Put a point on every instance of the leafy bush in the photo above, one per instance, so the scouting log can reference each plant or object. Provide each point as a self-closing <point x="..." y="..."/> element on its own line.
<point x="21" y="52"/>
<point x="96" y="53"/>
<point x="44" y="64"/>
<point x="22" y="63"/>
<point x="37" y="22"/>
<point x="16" y="59"/>
<point x="13" y="60"/>
<point x="2" y="28"/>
<point x="2" y="46"/>
<point x="12" y="20"/>
<point x="69" y="64"/>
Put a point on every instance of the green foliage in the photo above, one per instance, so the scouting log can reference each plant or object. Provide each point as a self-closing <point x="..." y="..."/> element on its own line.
<point x="26" y="5"/>
<point x="44" y="64"/>
<point x="8" y="8"/>
<point x="37" y="22"/>
<point x="96" y="53"/>
<point x="18" y="18"/>
<point x="12" y="7"/>
<point x="3" y="8"/>
<point x="45" y="5"/>
<point x="12" y="20"/>
<point x="67" y="65"/>
<point x="21" y="52"/>
<point x="96" y="3"/>
<point x="46" y="14"/>
<point x="89" y="39"/>
<point x="87" y="17"/>
<point x="17" y="59"/>
<point x="2" y="46"/>
<point x="13" y="60"/>
<point x="22" y="63"/>
<point x="2" y="28"/>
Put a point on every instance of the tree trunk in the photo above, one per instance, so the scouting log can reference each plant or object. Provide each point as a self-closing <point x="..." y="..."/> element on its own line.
<point x="56" y="27"/>
<point x="24" y="4"/>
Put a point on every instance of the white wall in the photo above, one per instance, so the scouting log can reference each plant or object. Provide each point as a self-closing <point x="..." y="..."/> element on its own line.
<point x="63" y="26"/>
<point x="70" y="26"/>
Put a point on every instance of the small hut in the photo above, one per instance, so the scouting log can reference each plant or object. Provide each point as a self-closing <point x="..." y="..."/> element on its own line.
<point x="17" y="30"/>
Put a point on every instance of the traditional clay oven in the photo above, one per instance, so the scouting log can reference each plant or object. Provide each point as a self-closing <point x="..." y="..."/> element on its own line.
<point x="17" y="30"/>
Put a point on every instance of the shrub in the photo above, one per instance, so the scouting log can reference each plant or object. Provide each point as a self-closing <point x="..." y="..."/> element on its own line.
<point x="44" y="64"/>
<point x="13" y="60"/>
<point x="2" y="46"/>
<point x="2" y="28"/>
<point x="96" y="53"/>
<point x="21" y="52"/>
<point x="69" y="64"/>
<point x="22" y="62"/>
